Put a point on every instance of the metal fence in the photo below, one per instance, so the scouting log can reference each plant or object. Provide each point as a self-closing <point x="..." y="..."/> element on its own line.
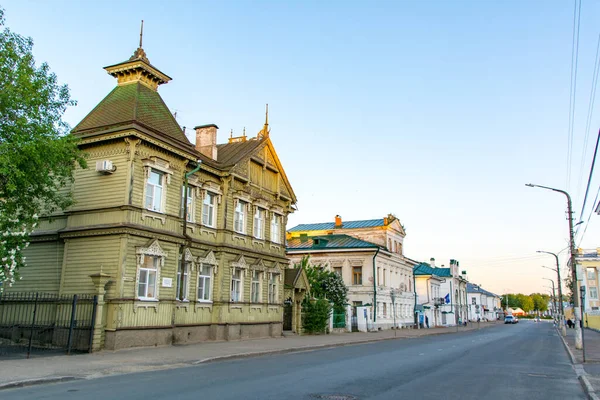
<point x="43" y="323"/>
<point x="339" y="319"/>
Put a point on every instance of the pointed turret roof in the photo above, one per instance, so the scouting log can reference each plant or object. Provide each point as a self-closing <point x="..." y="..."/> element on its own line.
<point x="135" y="101"/>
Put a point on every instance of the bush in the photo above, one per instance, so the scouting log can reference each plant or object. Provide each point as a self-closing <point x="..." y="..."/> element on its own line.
<point x="316" y="315"/>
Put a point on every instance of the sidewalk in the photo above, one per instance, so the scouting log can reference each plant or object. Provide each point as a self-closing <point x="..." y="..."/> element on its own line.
<point x="24" y="372"/>
<point x="588" y="372"/>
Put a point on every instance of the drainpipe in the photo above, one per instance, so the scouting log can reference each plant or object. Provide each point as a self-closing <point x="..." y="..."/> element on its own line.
<point x="375" y="287"/>
<point x="185" y="234"/>
<point x="416" y="300"/>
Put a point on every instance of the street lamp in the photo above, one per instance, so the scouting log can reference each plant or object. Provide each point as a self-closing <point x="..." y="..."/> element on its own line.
<point x="559" y="283"/>
<point x="553" y="293"/>
<point x="577" y="305"/>
<point x="393" y="296"/>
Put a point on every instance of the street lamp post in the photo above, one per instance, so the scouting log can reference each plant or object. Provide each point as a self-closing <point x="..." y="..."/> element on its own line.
<point x="563" y="329"/>
<point x="393" y="296"/>
<point x="577" y="305"/>
<point x="553" y="293"/>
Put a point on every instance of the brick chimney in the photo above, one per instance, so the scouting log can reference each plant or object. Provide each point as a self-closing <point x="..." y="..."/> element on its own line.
<point x="338" y="221"/>
<point x="432" y="262"/>
<point x="206" y="140"/>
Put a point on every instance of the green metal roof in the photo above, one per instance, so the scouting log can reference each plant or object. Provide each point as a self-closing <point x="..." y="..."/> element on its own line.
<point x="320" y="226"/>
<point x="328" y="242"/>
<point x="133" y="103"/>
<point x="426" y="269"/>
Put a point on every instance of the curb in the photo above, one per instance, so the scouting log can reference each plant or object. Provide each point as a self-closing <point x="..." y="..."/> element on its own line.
<point x="40" y="381"/>
<point x="571" y="355"/>
<point x="588" y="388"/>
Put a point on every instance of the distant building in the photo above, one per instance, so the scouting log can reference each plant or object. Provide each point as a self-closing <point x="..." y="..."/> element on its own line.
<point x="428" y="282"/>
<point x="368" y="255"/>
<point x="482" y="304"/>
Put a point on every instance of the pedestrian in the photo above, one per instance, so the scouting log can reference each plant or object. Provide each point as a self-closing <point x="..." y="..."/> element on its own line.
<point x="569" y="323"/>
<point x="427" y="321"/>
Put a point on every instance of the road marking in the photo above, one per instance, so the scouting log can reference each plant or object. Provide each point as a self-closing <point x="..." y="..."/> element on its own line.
<point x="421" y="354"/>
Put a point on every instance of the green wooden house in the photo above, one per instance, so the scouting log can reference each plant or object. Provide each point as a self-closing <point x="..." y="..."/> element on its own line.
<point x="216" y="274"/>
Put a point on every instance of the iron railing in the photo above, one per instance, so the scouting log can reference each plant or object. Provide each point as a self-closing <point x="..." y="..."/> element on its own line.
<point x="45" y="323"/>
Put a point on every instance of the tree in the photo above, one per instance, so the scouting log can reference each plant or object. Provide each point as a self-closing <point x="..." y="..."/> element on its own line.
<point x="325" y="284"/>
<point x="540" y="303"/>
<point x="37" y="155"/>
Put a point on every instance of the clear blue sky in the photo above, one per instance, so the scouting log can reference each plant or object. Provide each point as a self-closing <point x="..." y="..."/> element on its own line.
<point x="436" y="111"/>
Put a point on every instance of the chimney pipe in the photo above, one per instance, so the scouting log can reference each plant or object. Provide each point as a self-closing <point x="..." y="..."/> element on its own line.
<point x="206" y="140"/>
<point x="432" y="262"/>
<point x="338" y="221"/>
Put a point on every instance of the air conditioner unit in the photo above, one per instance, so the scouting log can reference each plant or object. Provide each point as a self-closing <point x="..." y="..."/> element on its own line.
<point x="105" y="167"/>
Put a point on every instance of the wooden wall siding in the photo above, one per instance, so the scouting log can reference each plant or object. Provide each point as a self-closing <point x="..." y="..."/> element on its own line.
<point x="94" y="189"/>
<point x="270" y="181"/>
<point x="54" y="224"/>
<point x="97" y="218"/>
<point x="192" y="314"/>
<point x="127" y="314"/>
<point x="256" y="173"/>
<point x="85" y="256"/>
<point x="43" y="269"/>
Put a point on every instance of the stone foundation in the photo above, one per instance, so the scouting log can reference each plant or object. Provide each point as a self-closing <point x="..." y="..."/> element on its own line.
<point x="144" y="337"/>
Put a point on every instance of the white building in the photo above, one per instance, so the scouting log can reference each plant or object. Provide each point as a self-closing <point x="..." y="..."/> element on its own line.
<point x="482" y="304"/>
<point x="368" y="256"/>
<point x="428" y="281"/>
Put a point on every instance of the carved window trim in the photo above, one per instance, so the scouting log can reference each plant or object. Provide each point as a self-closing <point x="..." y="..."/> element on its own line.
<point x="153" y="250"/>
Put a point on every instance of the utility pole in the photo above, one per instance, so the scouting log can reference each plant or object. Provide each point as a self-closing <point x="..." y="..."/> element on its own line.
<point x="575" y="287"/>
<point x="563" y="329"/>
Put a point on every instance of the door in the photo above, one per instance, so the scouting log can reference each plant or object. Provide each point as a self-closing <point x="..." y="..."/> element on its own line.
<point x="287" y="317"/>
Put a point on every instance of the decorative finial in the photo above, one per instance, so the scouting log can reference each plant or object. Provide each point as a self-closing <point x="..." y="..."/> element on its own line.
<point x="140" y="53"/>
<point x="141" y="33"/>
<point x="266" y="115"/>
<point x="231" y="134"/>
<point x="244" y="134"/>
<point x="264" y="132"/>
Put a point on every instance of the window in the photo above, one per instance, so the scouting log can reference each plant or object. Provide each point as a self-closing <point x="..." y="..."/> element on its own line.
<point x="190" y="203"/>
<point x="273" y="288"/>
<point x="208" y="210"/>
<point x="338" y="270"/>
<point x="384" y="309"/>
<point x="384" y="274"/>
<point x="154" y="191"/>
<point x="147" y="280"/>
<point x="236" y="285"/>
<point x="275" y="228"/>
<point x="473" y="300"/>
<point x="182" y="281"/>
<point x="593" y="293"/>
<point x="357" y="275"/>
<point x="259" y="223"/>
<point x="255" y="296"/>
<point x="591" y="274"/>
<point x="239" y="218"/>
<point x="204" y="280"/>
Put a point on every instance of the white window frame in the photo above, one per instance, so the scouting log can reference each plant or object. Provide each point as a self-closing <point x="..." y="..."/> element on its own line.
<point x="151" y="187"/>
<point x="191" y="214"/>
<point x="239" y="217"/>
<point x="209" y="217"/>
<point x="592" y="272"/>
<point x="237" y="285"/>
<point x="205" y="273"/>
<point x="259" y="223"/>
<point x="593" y="293"/>
<point x="187" y="266"/>
<point x="275" y="228"/>
<point x="156" y="253"/>
<point x="148" y="272"/>
<point x="273" y="289"/>
<point x="256" y="287"/>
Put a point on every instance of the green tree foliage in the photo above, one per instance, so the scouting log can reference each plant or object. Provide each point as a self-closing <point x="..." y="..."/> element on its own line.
<point x="540" y="302"/>
<point x="325" y="284"/>
<point x="316" y="315"/>
<point x="534" y="301"/>
<point x="37" y="155"/>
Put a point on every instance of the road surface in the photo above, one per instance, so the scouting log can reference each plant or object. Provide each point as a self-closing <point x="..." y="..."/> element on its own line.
<point x="522" y="361"/>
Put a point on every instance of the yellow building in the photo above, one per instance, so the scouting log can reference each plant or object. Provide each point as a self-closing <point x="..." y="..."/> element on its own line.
<point x="175" y="267"/>
<point x="588" y="264"/>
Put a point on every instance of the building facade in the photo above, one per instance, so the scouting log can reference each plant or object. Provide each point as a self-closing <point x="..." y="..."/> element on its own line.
<point x="428" y="281"/>
<point x="368" y="255"/>
<point x="482" y="305"/>
<point x="185" y="241"/>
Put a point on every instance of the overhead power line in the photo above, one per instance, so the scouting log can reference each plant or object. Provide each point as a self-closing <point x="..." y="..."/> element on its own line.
<point x="573" y="88"/>
<point x="590" y="178"/>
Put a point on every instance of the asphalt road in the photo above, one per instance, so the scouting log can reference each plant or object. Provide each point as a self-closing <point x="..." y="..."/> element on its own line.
<point x="522" y="361"/>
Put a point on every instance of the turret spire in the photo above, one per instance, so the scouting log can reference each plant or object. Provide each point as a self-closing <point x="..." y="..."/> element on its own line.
<point x="264" y="132"/>
<point x="141" y="33"/>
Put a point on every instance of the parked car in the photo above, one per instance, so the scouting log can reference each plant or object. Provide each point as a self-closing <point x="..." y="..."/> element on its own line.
<point x="509" y="319"/>
<point x="516" y="320"/>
